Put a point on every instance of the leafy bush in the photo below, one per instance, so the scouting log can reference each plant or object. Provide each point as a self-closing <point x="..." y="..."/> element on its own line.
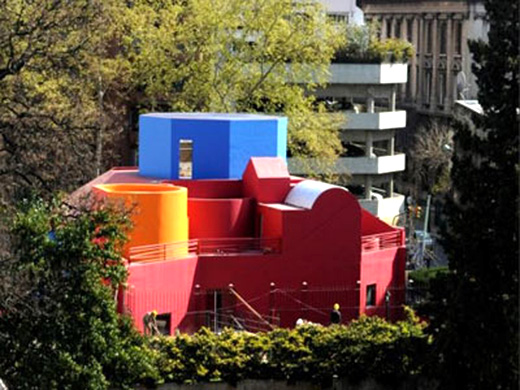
<point x="59" y="327"/>
<point x="363" y="45"/>
<point x="367" y="348"/>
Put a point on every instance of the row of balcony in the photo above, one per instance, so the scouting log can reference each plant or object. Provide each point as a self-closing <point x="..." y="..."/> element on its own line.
<point x="368" y="74"/>
<point x="351" y="165"/>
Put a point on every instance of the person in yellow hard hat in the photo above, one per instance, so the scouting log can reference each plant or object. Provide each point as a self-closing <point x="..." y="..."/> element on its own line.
<point x="150" y="323"/>
<point x="335" y="315"/>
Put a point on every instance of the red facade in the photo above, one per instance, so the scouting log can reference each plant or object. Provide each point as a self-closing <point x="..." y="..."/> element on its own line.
<point x="265" y="251"/>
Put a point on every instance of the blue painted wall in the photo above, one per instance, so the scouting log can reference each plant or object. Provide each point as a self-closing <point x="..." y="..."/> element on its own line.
<point x="222" y="143"/>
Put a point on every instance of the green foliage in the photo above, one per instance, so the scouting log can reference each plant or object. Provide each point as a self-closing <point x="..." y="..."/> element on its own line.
<point x="69" y="106"/>
<point x="477" y="340"/>
<point x="364" y="46"/>
<point x="422" y="277"/>
<point x="367" y="348"/>
<point x="59" y="328"/>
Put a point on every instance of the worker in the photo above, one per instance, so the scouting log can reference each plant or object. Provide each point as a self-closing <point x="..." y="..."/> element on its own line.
<point x="335" y="315"/>
<point x="150" y="323"/>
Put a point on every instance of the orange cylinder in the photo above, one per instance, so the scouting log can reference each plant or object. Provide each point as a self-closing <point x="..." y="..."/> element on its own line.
<point x="160" y="211"/>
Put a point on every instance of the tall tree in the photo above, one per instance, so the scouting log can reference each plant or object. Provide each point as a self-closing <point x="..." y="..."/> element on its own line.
<point x="478" y="333"/>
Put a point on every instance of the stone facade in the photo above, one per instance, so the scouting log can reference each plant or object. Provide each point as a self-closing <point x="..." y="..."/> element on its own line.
<point x="440" y="72"/>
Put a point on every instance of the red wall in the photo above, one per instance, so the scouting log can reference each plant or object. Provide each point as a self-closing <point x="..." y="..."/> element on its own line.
<point x="321" y="262"/>
<point x="217" y="218"/>
<point x="165" y="286"/>
<point x="211" y="188"/>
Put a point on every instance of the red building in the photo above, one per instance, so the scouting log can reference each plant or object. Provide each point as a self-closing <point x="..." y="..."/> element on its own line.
<point x="260" y="251"/>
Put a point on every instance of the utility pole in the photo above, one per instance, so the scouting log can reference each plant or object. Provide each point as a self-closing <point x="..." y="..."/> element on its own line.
<point x="425" y="230"/>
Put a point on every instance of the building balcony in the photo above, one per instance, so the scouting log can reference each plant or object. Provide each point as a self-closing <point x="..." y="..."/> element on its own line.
<point x="351" y="165"/>
<point x="368" y="73"/>
<point x="386" y="209"/>
<point x="375" y="121"/>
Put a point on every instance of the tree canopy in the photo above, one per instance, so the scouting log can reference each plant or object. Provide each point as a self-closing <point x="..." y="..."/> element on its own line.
<point x="74" y="76"/>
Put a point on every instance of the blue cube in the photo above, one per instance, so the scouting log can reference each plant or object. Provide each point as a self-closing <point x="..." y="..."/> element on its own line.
<point x="213" y="146"/>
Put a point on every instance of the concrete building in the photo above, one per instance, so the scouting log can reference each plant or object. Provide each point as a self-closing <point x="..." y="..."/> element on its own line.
<point x="440" y="73"/>
<point x="251" y="252"/>
<point x="344" y="11"/>
<point x="367" y="93"/>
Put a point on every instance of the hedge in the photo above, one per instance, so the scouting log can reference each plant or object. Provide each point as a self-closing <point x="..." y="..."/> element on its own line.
<point x="369" y="347"/>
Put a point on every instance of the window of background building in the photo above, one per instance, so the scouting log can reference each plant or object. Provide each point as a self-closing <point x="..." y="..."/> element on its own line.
<point x="371" y="295"/>
<point x="409" y="30"/>
<point x="443" y="37"/>
<point x="442" y="88"/>
<point x="427" y="86"/>
<point x="409" y="84"/>
<point x="429" y="36"/>
<point x="397" y="30"/>
<point x="417" y="81"/>
<point x="388" y="28"/>
<point x="458" y="38"/>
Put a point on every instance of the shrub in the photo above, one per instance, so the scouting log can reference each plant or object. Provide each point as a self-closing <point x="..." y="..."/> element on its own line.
<point x="363" y="45"/>
<point x="367" y="348"/>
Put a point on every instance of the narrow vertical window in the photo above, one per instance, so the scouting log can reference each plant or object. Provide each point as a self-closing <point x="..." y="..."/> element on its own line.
<point x="409" y="30"/>
<point x="397" y="31"/>
<point x="185" y="159"/>
<point x="429" y="36"/>
<point x="371" y="295"/>
<point x="442" y="88"/>
<point x="443" y="37"/>
<point x="458" y="38"/>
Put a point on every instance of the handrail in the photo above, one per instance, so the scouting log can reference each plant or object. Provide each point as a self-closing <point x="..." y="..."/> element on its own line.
<point x="379" y="241"/>
<point x="205" y="247"/>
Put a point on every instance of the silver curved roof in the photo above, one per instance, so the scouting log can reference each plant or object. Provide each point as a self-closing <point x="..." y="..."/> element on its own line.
<point x="305" y="193"/>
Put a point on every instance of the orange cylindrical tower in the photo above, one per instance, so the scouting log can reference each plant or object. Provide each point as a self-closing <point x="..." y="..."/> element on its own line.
<point x="160" y="212"/>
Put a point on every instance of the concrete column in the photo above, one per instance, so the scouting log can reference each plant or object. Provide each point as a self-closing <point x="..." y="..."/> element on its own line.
<point x="384" y="33"/>
<point x="370" y="105"/>
<point x="392" y="28"/>
<point x="391" y="145"/>
<point x="421" y="40"/>
<point x="449" y="63"/>
<point x="368" y="187"/>
<point x="369" y="144"/>
<point x="392" y="98"/>
<point x="402" y="87"/>
<point x="413" y="60"/>
<point x="435" y="63"/>
<point x="391" y="186"/>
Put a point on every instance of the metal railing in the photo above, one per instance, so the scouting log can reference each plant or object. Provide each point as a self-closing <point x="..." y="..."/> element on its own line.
<point x="206" y="247"/>
<point x="375" y="242"/>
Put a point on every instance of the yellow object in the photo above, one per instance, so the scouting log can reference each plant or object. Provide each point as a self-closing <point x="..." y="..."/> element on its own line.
<point x="154" y="313"/>
<point x="160" y="212"/>
<point x="336" y="306"/>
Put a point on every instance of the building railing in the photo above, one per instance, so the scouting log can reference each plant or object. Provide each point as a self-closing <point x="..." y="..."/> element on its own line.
<point x="206" y="247"/>
<point x="375" y="242"/>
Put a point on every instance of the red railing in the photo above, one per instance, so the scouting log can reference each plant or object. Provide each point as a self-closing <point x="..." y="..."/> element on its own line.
<point x="206" y="247"/>
<point x="375" y="242"/>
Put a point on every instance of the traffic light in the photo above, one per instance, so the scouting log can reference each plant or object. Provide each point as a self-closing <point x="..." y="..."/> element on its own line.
<point x="418" y="211"/>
